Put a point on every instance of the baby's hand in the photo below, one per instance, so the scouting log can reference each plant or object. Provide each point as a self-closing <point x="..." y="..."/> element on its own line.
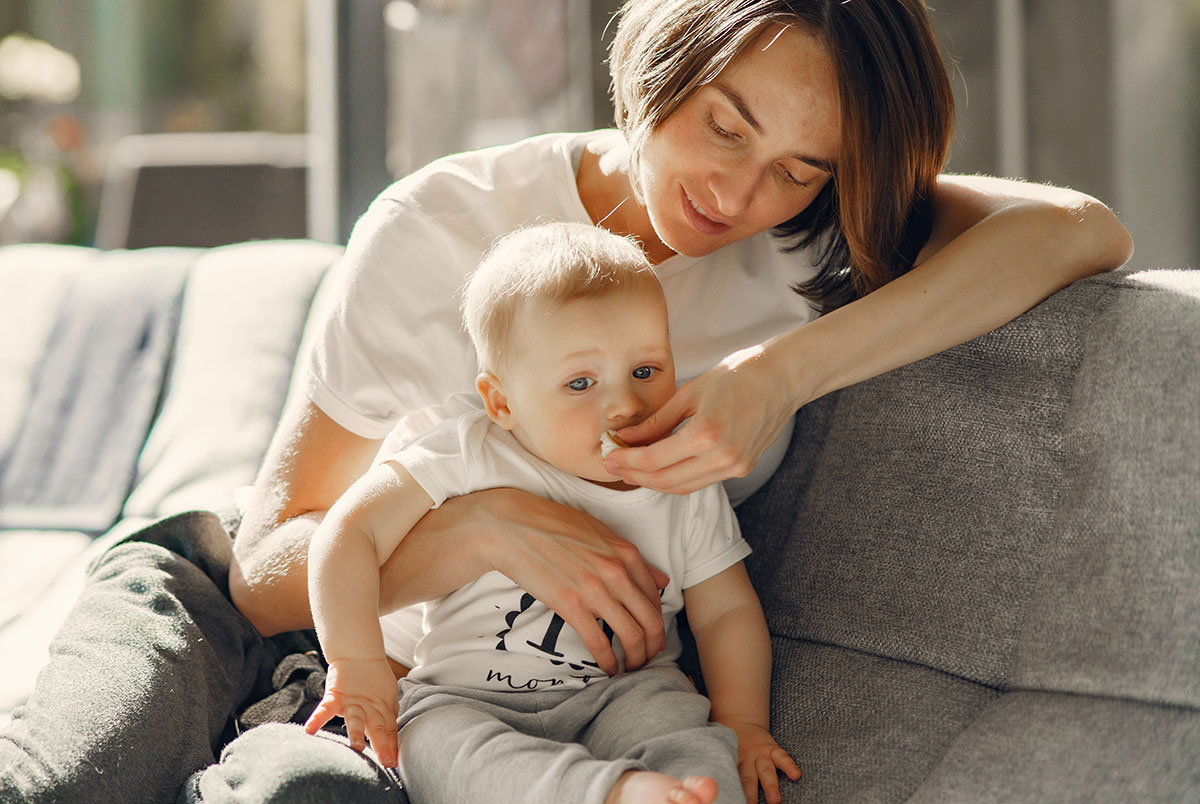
<point x="363" y="692"/>
<point x="759" y="759"/>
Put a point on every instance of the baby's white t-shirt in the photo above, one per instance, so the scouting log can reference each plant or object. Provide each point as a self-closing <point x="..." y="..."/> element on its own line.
<point x="490" y="634"/>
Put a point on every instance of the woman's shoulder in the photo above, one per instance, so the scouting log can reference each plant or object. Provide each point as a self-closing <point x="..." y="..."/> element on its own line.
<point x="453" y="208"/>
<point x="533" y="168"/>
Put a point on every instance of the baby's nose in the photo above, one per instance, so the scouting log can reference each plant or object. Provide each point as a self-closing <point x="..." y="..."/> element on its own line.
<point x="623" y="404"/>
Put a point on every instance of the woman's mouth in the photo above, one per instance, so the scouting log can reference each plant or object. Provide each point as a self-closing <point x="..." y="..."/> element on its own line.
<point x="700" y="219"/>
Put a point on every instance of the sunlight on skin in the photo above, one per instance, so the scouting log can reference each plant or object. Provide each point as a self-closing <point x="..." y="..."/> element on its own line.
<point x="648" y="787"/>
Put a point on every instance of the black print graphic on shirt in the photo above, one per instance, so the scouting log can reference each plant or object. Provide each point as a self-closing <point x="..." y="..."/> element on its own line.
<point x="548" y="644"/>
<point x="523" y="621"/>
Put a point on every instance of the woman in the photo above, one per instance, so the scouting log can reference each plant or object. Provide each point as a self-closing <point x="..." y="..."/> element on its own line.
<point x="826" y="122"/>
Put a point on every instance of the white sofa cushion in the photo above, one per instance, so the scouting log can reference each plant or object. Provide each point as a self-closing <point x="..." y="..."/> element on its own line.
<point x="244" y="311"/>
<point x="38" y="275"/>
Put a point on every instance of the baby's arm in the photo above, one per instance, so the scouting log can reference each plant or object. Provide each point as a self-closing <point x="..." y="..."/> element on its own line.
<point x="735" y="657"/>
<point x="356" y="537"/>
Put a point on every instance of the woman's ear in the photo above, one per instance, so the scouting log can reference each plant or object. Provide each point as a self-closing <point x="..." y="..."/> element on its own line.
<point x="495" y="401"/>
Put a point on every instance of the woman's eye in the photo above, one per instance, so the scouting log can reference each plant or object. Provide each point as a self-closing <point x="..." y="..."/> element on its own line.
<point x="581" y="383"/>
<point x="790" y="179"/>
<point x="721" y="132"/>
<point x="643" y="372"/>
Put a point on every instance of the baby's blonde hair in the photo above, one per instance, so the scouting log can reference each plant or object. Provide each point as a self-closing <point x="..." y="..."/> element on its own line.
<point x="550" y="262"/>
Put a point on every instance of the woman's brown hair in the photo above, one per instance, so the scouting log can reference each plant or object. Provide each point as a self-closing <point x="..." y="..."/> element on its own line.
<point x="897" y="117"/>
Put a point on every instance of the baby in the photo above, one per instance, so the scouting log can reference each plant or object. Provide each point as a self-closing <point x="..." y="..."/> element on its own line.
<point x="505" y="702"/>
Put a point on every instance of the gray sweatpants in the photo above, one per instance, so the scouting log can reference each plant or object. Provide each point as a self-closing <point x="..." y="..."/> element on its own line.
<point x="459" y="745"/>
<point x="143" y="676"/>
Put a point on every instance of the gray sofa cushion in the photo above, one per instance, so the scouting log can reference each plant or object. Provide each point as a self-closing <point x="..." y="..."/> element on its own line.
<point x="1050" y="747"/>
<point x="1021" y="513"/>
<point x="864" y="728"/>
<point x="1115" y="609"/>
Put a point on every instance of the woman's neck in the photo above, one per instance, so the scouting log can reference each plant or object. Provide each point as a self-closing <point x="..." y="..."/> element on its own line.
<point x="607" y="195"/>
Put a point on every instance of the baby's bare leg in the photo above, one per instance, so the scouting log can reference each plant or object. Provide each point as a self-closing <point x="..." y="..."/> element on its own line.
<point x="648" y="787"/>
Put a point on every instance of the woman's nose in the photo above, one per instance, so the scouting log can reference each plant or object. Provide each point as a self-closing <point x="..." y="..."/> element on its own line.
<point x="733" y="188"/>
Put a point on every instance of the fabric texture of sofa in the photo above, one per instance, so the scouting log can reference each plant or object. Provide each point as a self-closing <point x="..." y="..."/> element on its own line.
<point x="981" y="571"/>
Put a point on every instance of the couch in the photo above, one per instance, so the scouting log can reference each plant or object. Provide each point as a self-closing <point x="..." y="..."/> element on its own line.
<point x="981" y="571"/>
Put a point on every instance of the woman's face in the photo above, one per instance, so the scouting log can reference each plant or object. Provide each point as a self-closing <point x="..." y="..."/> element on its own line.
<point x="747" y="151"/>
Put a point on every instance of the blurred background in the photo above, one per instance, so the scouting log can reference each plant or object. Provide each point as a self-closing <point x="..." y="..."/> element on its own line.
<point x="129" y="123"/>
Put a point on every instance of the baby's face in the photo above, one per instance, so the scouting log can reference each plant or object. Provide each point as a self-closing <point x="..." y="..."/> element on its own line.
<point x="585" y="367"/>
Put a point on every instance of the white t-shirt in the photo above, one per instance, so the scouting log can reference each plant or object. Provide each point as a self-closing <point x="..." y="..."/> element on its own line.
<point x="490" y="634"/>
<point x="392" y="356"/>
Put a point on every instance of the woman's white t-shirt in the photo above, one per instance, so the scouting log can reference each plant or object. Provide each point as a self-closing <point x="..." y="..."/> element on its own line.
<point x="391" y="359"/>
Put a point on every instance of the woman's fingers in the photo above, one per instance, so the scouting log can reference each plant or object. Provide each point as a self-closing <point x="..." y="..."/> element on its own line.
<point x="651" y="458"/>
<point x="715" y="427"/>
<point x="701" y="452"/>
<point x="640" y="635"/>
<point x="605" y="592"/>
<point x="594" y="639"/>
<point x="637" y="586"/>
<point x="684" y="477"/>
<point x="577" y="567"/>
<point x="626" y="575"/>
<point x="586" y="573"/>
<point x="660" y="423"/>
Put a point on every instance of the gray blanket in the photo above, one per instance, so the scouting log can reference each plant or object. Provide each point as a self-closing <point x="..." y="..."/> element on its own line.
<point x="94" y="394"/>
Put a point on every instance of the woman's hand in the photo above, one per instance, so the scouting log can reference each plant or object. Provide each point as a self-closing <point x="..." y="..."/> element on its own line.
<point x="759" y="761"/>
<point x="575" y="565"/>
<point x="363" y="692"/>
<point x="568" y="560"/>
<point x="730" y="415"/>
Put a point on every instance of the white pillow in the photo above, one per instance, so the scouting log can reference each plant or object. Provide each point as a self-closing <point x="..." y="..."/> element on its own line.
<point x="33" y="280"/>
<point x="244" y="310"/>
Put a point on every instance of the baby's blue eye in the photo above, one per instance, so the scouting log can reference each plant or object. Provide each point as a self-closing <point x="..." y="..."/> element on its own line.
<point x="643" y="372"/>
<point x="581" y="383"/>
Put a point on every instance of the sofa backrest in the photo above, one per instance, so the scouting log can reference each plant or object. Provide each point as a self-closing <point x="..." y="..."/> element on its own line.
<point x="212" y="395"/>
<point x="39" y="275"/>
<point x="244" y="312"/>
<point x="1022" y="511"/>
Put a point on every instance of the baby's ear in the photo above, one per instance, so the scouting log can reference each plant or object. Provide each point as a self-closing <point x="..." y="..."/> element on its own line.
<point x="495" y="401"/>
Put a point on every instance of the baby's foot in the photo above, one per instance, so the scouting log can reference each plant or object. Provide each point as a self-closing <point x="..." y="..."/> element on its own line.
<point x="648" y="787"/>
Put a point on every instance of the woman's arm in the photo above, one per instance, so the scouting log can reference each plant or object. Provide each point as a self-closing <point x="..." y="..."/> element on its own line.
<point x="570" y="561"/>
<point x="567" y="559"/>
<point x="735" y="656"/>
<point x="312" y="460"/>
<point x="997" y="248"/>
